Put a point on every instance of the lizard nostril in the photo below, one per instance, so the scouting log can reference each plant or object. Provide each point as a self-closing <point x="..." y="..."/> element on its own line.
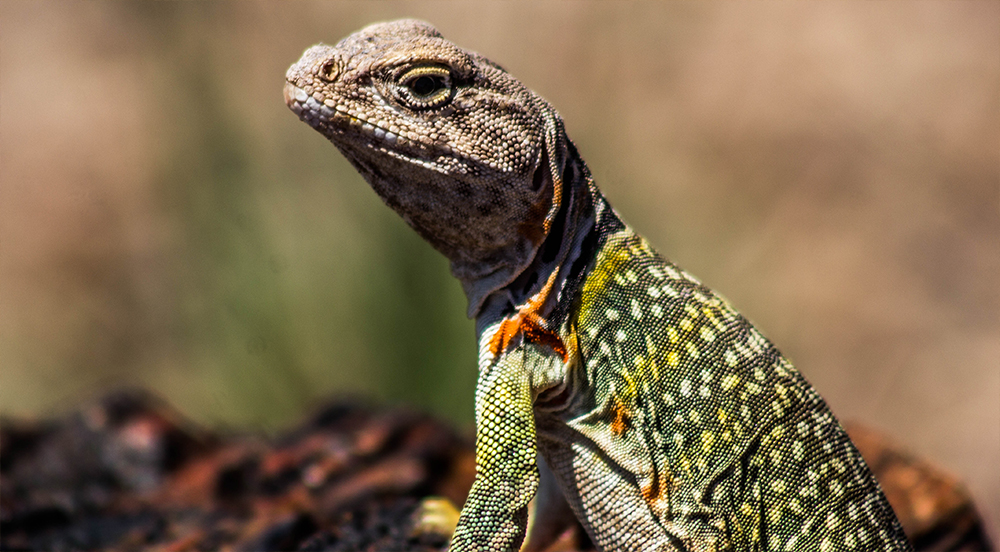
<point x="330" y="70"/>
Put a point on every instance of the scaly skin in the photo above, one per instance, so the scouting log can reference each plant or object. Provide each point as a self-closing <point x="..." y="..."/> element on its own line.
<point x="664" y="419"/>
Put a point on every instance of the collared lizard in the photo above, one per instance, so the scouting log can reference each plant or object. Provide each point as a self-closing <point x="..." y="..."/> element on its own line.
<point x="610" y="380"/>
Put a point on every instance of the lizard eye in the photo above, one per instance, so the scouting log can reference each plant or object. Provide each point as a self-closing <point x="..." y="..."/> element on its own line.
<point x="425" y="87"/>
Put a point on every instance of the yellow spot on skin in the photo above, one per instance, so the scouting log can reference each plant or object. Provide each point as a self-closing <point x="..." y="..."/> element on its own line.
<point x="673" y="359"/>
<point x="686" y="325"/>
<point x="730" y="358"/>
<point x="774" y="514"/>
<point x="753" y="388"/>
<point x="730" y="381"/>
<point x="707" y="334"/>
<point x="651" y="348"/>
<point x="710" y="315"/>
<point x="673" y="335"/>
<point x="636" y="310"/>
<point x="782" y="368"/>
<point x="778" y="432"/>
<point x="779" y="411"/>
<point x="630" y="387"/>
<point x="648" y="364"/>
<point x="836" y="488"/>
<point x="691" y="349"/>
<point x="707" y="439"/>
<point x="776" y="457"/>
<point x="795" y="506"/>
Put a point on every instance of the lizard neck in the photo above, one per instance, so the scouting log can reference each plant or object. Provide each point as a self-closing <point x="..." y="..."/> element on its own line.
<point x="547" y="282"/>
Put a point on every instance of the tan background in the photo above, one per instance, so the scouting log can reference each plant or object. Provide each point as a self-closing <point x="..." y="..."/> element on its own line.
<point x="832" y="168"/>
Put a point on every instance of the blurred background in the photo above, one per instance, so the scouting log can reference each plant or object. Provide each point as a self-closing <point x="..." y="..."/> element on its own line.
<point x="832" y="168"/>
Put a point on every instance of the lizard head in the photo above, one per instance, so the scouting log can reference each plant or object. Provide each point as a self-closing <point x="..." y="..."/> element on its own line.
<point x="466" y="154"/>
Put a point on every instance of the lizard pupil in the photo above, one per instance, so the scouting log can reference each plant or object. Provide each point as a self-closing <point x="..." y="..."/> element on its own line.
<point x="425" y="85"/>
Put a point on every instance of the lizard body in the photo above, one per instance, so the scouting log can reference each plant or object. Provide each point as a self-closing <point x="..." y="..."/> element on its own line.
<point x="609" y="377"/>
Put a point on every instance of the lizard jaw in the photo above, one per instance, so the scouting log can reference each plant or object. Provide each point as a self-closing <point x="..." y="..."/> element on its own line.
<point x="331" y="119"/>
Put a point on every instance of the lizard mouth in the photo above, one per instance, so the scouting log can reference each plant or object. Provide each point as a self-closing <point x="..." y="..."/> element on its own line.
<point x="329" y="118"/>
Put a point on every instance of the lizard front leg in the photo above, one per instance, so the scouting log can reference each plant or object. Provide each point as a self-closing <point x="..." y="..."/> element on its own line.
<point x="495" y="515"/>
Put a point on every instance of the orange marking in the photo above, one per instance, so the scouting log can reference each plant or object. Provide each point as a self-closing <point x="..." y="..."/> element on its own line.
<point x="528" y="322"/>
<point x="623" y="418"/>
<point x="651" y="492"/>
<point x="556" y="203"/>
<point x="656" y="494"/>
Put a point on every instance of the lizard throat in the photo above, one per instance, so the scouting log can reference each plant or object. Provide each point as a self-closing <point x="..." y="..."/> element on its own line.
<point x="538" y="293"/>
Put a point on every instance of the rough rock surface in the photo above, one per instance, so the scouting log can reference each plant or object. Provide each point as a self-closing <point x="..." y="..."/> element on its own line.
<point x="129" y="473"/>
